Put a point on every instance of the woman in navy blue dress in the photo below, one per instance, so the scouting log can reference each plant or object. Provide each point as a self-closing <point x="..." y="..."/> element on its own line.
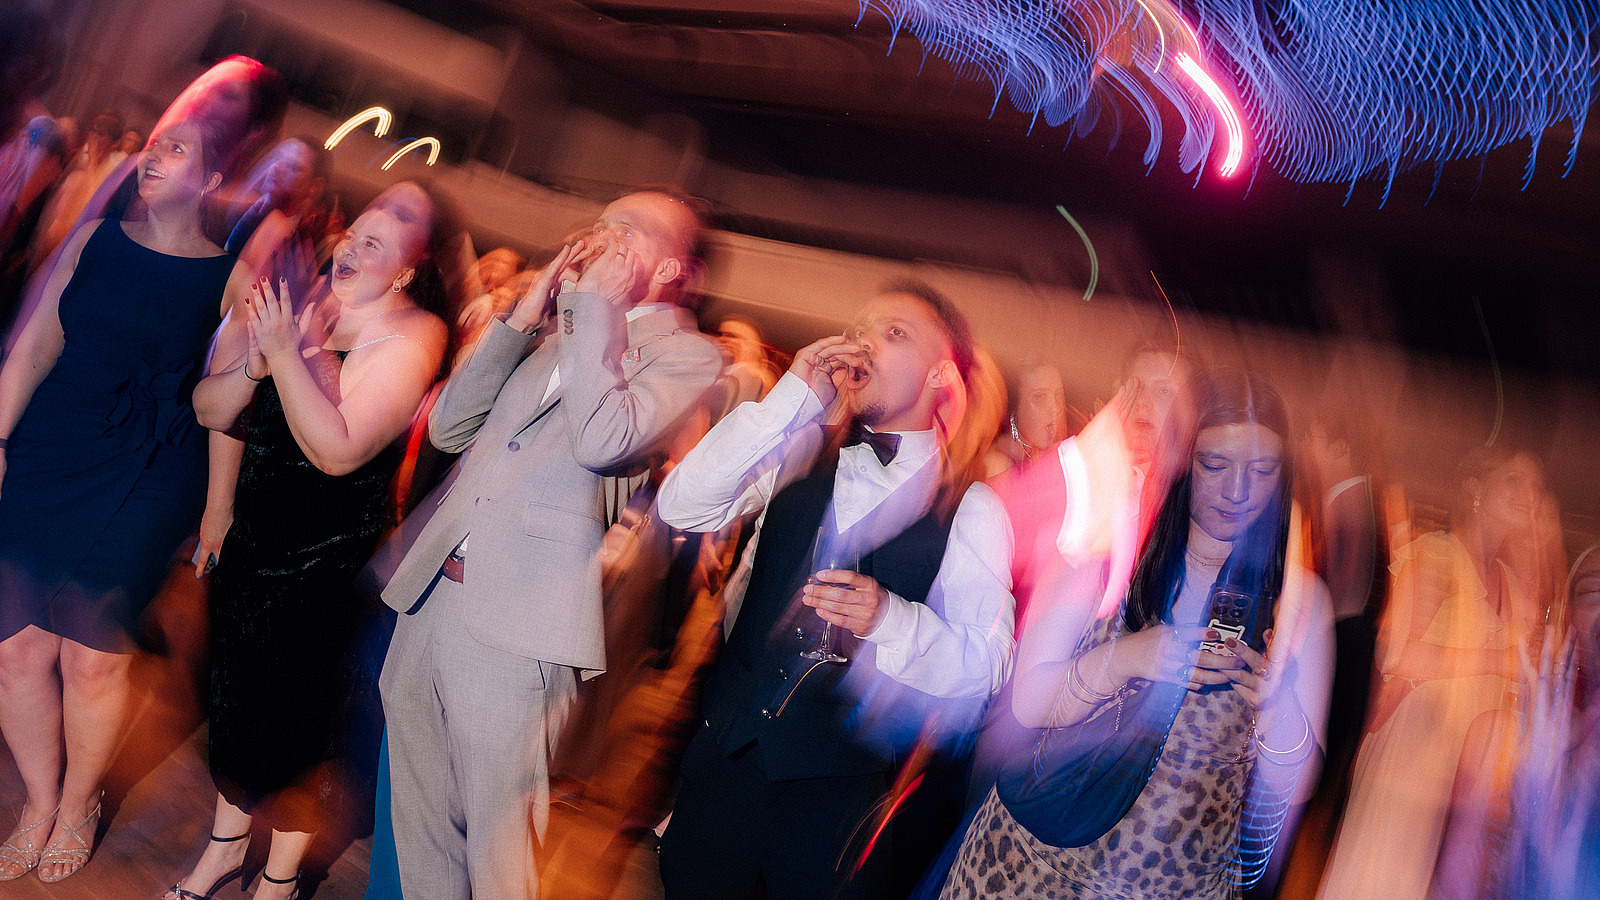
<point x="102" y="476"/>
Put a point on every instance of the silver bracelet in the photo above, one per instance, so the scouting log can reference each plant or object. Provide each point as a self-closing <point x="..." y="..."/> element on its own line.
<point x="1081" y="689"/>
<point x="1294" y="754"/>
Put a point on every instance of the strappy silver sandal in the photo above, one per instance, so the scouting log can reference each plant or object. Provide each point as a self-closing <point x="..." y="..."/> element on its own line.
<point x="17" y="861"/>
<point x="73" y="858"/>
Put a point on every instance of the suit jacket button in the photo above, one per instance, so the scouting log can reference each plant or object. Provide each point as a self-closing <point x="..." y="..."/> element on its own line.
<point x="513" y="446"/>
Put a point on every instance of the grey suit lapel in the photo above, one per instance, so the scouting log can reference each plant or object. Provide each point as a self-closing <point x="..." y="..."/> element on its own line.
<point x="544" y="360"/>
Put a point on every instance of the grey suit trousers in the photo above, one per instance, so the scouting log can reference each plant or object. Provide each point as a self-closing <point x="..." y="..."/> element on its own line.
<point x="468" y="787"/>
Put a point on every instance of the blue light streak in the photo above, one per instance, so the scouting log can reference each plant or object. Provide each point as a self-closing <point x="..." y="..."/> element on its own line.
<point x="1338" y="92"/>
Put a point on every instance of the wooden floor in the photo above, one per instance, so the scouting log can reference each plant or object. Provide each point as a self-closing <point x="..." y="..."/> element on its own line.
<point x="155" y="834"/>
<point x="160" y="798"/>
<point x="159" y="795"/>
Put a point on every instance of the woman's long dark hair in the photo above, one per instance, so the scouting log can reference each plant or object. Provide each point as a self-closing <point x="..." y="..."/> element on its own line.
<point x="436" y="284"/>
<point x="1256" y="563"/>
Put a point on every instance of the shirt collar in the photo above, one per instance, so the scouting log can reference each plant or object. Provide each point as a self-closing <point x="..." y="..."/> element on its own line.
<point x="644" y="309"/>
<point x="915" y="446"/>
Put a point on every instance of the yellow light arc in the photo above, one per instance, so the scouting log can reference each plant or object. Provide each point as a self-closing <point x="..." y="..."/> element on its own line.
<point x="372" y="113"/>
<point x="433" y="151"/>
<point x="1161" y="33"/>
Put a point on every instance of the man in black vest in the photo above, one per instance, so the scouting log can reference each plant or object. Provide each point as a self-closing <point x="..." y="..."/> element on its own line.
<point x="880" y="536"/>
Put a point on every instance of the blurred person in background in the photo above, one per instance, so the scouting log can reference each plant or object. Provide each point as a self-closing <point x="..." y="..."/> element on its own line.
<point x="1555" y="827"/>
<point x="1233" y="725"/>
<point x="1351" y="549"/>
<point x="1462" y="606"/>
<point x="84" y="174"/>
<point x="103" y="477"/>
<point x="494" y="283"/>
<point x="130" y="143"/>
<point x="1054" y="508"/>
<point x="748" y="372"/>
<point x="72" y="133"/>
<point x="866" y="453"/>
<point x="497" y="574"/>
<point x="1038" y="419"/>
<point x="30" y="164"/>
<point x="331" y="387"/>
<point x="1352" y="556"/>
<point x="1077" y="511"/>
<point x="494" y="270"/>
<point x="281" y="190"/>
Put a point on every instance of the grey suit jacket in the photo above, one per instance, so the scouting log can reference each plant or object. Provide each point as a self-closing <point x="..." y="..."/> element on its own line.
<point x="529" y="490"/>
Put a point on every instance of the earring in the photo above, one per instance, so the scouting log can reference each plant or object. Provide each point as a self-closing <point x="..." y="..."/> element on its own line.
<point x="398" y="286"/>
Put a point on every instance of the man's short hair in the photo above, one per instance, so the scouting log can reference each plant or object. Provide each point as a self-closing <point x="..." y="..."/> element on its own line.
<point x="952" y="321"/>
<point x="699" y="212"/>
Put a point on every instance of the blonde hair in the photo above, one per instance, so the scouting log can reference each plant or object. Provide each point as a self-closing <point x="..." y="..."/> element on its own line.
<point x="966" y="424"/>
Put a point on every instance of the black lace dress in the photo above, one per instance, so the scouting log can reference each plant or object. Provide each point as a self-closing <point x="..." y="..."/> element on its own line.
<point x="283" y="613"/>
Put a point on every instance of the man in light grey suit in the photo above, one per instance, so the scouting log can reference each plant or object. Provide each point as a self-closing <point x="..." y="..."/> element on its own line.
<point x="499" y="585"/>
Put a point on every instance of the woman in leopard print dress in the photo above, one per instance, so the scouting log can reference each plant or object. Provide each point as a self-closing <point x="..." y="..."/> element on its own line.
<point x="1249" y="725"/>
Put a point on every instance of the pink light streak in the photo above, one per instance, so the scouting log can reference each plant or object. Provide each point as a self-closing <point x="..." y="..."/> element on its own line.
<point x="1230" y="117"/>
<point x="893" y="808"/>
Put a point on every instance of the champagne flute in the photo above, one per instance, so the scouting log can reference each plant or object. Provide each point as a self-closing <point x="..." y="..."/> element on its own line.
<point x="825" y="557"/>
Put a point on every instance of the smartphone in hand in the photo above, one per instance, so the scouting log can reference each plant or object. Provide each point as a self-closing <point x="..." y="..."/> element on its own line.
<point x="211" y="563"/>
<point x="1232" y="615"/>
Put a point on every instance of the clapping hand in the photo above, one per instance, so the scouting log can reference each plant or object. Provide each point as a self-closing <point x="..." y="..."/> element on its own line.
<point x="1551" y="686"/>
<point x="275" y="332"/>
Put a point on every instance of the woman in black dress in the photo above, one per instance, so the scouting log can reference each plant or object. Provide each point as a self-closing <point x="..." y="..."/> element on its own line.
<point x="330" y="391"/>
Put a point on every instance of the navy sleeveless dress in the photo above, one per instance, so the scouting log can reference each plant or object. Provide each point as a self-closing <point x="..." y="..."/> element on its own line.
<point x="283" y="614"/>
<point x="106" y="469"/>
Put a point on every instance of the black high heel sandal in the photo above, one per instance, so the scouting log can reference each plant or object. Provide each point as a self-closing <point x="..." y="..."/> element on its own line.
<point x="292" y="879"/>
<point x="179" y="892"/>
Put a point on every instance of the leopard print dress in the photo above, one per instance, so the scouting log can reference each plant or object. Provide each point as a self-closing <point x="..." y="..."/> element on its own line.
<point x="1177" y="840"/>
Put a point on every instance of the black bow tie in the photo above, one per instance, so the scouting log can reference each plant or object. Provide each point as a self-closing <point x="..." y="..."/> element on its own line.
<point x="884" y="444"/>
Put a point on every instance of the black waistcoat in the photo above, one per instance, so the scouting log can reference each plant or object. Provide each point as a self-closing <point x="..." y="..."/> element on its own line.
<point x="820" y="731"/>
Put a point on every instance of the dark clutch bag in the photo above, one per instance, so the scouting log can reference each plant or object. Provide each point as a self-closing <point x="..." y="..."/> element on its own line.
<point x="1082" y="778"/>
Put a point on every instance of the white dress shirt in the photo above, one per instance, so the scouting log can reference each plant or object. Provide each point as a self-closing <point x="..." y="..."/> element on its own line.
<point x="760" y="448"/>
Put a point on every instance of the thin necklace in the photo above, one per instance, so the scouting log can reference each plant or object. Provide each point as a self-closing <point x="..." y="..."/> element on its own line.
<point x="1205" y="562"/>
<point x="364" y="328"/>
